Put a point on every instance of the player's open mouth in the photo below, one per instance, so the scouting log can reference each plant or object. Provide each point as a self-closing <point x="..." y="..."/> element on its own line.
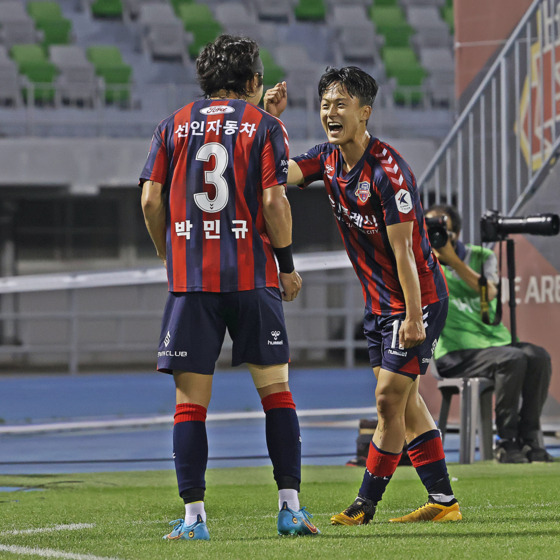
<point x="334" y="127"/>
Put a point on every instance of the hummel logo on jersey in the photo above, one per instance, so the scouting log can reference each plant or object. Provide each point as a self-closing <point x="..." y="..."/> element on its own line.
<point x="404" y="201"/>
<point x="275" y="342"/>
<point x="167" y="339"/>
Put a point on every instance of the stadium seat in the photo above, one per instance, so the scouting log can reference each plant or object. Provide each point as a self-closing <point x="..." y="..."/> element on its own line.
<point x="402" y="64"/>
<point x="10" y="86"/>
<point x="49" y="19"/>
<point x="359" y="44"/>
<point x="109" y="65"/>
<point x="391" y="23"/>
<point x="278" y="11"/>
<point x="448" y="15"/>
<point x="16" y="26"/>
<point x="76" y="82"/>
<point x="475" y="409"/>
<point x="310" y="10"/>
<point x="40" y="72"/>
<point x="199" y="20"/>
<point x="107" y="9"/>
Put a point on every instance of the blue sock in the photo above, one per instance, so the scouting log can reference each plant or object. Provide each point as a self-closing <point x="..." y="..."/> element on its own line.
<point x="190" y="450"/>
<point x="283" y="439"/>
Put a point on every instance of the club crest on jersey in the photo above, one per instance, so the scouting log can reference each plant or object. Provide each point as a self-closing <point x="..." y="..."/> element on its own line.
<point x="217" y="110"/>
<point x="362" y="192"/>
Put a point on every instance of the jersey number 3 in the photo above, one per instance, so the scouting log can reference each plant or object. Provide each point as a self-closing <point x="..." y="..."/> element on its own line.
<point x="214" y="177"/>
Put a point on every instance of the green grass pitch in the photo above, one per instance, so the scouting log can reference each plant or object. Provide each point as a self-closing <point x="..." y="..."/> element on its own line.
<point x="510" y="511"/>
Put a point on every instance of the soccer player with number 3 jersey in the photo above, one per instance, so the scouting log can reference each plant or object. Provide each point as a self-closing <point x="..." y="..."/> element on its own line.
<point x="375" y="201"/>
<point x="214" y="202"/>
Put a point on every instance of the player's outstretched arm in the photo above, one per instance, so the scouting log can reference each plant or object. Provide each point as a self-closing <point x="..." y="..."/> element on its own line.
<point x="278" y="219"/>
<point x="153" y="208"/>
<point x="412" y="331"/>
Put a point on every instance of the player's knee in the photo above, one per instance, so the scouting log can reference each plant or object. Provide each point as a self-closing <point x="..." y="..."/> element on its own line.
<point x="389" y="403"/>
<point x="264" y="376"/>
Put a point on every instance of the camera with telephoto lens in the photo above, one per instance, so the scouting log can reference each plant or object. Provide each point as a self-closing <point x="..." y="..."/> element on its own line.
<point x="437" y="231"/>
<point x="494" y="227"/>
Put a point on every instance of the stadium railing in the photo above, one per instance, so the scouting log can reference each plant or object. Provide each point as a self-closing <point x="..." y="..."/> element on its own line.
<point x="508" y="135"/>
<point x="103" y="318"/>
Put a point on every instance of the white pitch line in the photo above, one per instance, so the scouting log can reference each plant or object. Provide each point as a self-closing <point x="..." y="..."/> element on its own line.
<point x="50" y="553"/>
<point x="165" y="419"/>
<point x="70" y="527"/>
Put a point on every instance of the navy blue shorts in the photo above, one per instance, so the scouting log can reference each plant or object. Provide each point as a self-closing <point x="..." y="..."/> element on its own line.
<point x="194" y="325"/>
<point x="382" y="334"/>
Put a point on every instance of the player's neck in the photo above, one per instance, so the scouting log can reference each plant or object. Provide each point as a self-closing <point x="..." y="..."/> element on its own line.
<point x="353" y="151"/>
<point x="225" y="94"/>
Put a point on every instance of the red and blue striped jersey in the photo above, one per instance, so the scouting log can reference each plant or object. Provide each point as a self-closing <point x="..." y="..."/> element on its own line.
<point x="379" y="191"/>
<point x="215" y="158"/>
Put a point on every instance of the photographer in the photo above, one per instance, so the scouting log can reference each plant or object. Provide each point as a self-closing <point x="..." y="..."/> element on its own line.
<point x="469" y="348"/>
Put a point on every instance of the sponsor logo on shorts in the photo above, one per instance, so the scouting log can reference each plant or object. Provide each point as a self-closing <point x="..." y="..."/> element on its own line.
<point x="167" y="339"/>
<point x="426" y="360"/>
<point x="398" y="352"/>
<point x="275" y="342"/>
<point x="172" y="354"/>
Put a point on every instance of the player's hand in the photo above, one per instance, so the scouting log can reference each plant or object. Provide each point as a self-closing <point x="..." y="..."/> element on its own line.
<point x="290" y="285"/>
<point x="276" y="99"/>
<point x="412" y="333"/>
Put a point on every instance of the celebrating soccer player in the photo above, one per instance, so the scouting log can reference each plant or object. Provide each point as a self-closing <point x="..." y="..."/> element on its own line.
<point x="215" y="206"/>
<point x="375" y="201"/>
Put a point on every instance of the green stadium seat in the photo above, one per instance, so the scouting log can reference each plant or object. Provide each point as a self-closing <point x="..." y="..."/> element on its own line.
<point x="199" y="20"/>
<point x="44" y="10"/>
<point x="310" y="10"/>
<point x="178" y="3"/>
<point x="107" y="9"/>
<point x="402" y="64"/>
<point x="391" y="23"/>
<point x="448" y="17"/>
<point x="108" y="63"/>
<point x="386" y="2"/>
<point x="32" y="63"/>
<point x="273" y="73"/>
<point x="48" y="18"/>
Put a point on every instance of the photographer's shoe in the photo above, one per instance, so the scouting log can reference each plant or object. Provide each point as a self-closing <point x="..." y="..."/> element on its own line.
<point x="537" y="454"/>
<point x="508" y="451"/>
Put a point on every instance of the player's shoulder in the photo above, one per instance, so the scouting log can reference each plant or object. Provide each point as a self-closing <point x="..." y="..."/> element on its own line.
<point x="388" y="160"/>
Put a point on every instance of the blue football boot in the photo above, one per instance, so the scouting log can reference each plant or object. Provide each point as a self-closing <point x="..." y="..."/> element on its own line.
<point x="292" y="522"/>
<point x="195" y="532"/>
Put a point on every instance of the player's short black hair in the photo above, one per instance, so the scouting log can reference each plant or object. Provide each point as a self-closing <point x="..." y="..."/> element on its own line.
<point x="355" y="81"/>
<point x="452" y="212"/>
<point x="228" y="63"/>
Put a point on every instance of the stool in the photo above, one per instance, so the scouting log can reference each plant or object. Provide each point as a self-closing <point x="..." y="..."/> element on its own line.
<point x="476" y="412"/>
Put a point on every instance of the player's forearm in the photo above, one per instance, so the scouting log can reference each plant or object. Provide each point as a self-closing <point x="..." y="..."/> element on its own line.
<point x="153" y="209"/>
<point x="278" y="219"/>
<point x="409" y="281"/>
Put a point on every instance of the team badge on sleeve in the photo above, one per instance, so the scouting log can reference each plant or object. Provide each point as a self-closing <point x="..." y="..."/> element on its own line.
<point x="363" y="192"/>
<point x="404" y="201"/>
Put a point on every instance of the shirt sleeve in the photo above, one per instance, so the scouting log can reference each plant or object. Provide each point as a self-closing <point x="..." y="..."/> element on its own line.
<point x="311" y="165"/>
<point x="275" y="156"/>
<point x="155" y="168"/>
<point x="397" y="188"/>
<point x="491" y="268"/>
